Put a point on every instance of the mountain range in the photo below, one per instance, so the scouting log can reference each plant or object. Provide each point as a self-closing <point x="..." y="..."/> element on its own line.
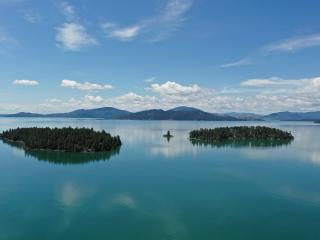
<point x="178" y="113"/>
<point x="294" y="116"/>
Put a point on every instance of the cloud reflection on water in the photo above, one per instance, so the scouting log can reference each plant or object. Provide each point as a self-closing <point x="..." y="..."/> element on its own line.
<point x="125" y="200"/>
<point x="70" y="194"/>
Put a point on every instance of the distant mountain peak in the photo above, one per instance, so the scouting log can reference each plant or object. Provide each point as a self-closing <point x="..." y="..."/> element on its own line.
<point x="178" y="113"/>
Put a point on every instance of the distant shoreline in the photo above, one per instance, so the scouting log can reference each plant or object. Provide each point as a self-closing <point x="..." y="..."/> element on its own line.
<point x="176" y="114"/>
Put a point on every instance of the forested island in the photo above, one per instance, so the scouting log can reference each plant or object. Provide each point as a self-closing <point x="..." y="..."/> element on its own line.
<point x="243" y="133"/>
<point x="64" y="157"/>
<point x="63" y="139"/>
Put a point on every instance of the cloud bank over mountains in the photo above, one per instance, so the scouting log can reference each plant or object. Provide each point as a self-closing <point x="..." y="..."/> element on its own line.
<point x="252" y="95"/>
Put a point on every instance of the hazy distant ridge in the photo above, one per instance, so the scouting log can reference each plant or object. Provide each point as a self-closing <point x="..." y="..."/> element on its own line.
<point x="179" y="113"/>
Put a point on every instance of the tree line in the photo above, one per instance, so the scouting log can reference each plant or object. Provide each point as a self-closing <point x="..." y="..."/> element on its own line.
<point x="240" y="133"/>
<point x="63" y="139"/>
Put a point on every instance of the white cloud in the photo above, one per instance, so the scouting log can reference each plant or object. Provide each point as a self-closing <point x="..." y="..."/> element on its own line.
<point x="265" y="95"/>
<point x="31" y="16"/>
<point x="313" y="84"/>
<point x="127" y="33"/>
<point x="174" y="9"/>
<point x="73" y="36"/>
<point x="96" y="99"/>
<point x="87" y="86"/>
<point x="10" y="108"/>
<point x="69" y="11"/>
<point x="241" y="62"/>
<point x="123" y="34"/>
<point x="173" y="88"/>
<point x="7" y="43"/>
<point x="26" y="82"/>
<point x="157" y="27"/>
<point x="172" y="94"/>
<point x="286" y="45"/>
<point x="54" y="100"/>
<point x="168" y="20"/>
<point x="260" y="95"/>
<point x="57" y="105"/>
<point x="53" y="105"/>
<point x="169" y="94"/>
<point x="150" y="80"/>
<point x="6" y="40"/>
<point x="273" y="81"/>
<point x="133" y="102"/>
<point x="295" y="43"/>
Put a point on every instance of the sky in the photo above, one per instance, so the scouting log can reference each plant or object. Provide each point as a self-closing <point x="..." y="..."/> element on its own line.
<point x="221" y="56"/>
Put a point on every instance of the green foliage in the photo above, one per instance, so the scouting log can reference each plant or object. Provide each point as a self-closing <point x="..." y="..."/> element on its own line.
<point x="63" y="139"/>
<point x="258" y="133"/>
<point x="63" y="157"/>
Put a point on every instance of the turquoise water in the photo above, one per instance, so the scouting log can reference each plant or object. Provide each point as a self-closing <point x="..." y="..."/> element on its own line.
<point x="155" y="189"/>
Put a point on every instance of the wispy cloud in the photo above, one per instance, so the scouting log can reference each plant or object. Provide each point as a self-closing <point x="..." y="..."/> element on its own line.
<point x="295" y="43"/>
<point x="155" y="28"/>
<point x="241" y="62"/>
<point x="87" y="86"/>
<point x="69" y="11"/>
<point x="7" y="43"/>
<point x="150" y="80"/>
<point x="25" y="82"/>
<point x="31" y="16"/>
<point x="123" y="34"/>
<point x="273" y="81"/>
<point x="73" y="36"/>
<point x="286" y="45"/>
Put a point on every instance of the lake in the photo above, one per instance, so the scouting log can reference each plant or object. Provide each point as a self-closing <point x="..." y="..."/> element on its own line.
<point x="156" y="190"/>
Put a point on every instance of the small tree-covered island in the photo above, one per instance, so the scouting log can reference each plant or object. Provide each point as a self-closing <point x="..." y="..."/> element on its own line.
<point x="63" y="139"/>
<point x="253" y="133"/>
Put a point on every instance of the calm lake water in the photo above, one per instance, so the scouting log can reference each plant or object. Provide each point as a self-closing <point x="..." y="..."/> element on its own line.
<point x="154" y="189"/>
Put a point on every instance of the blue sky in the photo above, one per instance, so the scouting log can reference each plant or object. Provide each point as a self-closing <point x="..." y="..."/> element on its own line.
<point x="221" y="56"/>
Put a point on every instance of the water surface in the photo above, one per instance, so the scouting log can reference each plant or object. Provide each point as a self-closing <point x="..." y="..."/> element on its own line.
<point x="155" y="189"/>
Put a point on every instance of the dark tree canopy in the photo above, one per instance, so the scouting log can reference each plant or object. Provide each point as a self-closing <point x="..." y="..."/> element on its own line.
<point x="258" y="133"/>
<point x="63" y="157"/>
<point x="63" y="139"/>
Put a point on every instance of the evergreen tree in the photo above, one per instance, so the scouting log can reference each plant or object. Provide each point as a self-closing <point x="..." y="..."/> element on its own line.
<point x="240" y="133"/>
<point x="63" y="139"/>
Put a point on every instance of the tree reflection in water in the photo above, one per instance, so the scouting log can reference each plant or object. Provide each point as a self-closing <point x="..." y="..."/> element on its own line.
<point x="242" y="143"/>
<point x="65" y="158"/>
